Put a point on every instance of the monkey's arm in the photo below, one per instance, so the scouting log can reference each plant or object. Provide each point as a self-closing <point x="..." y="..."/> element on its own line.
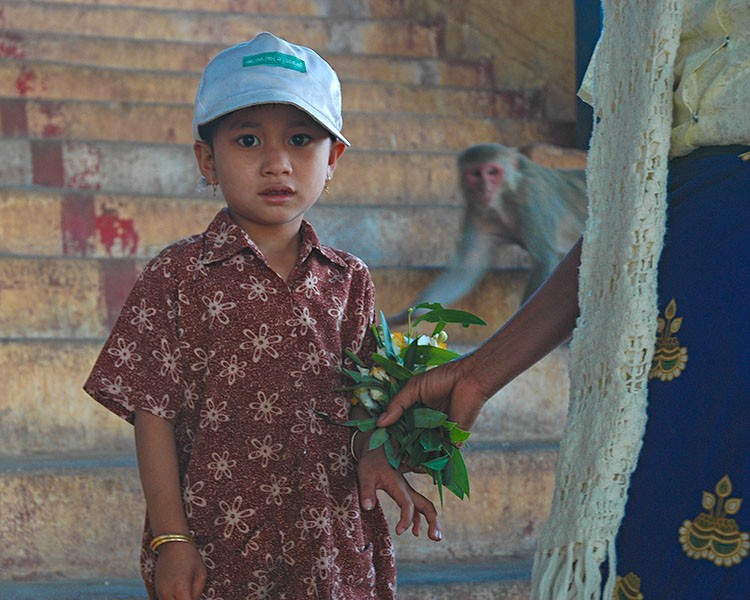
<point x="465" y="270"/>
<point x="462" y="386"/>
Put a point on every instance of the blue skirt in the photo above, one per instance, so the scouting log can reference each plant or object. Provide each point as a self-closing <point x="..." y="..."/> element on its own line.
<point x="686" y="531"/>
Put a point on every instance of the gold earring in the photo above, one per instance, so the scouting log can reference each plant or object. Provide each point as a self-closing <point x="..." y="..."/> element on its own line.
<point x="326" y="187"/>
<point x="214" y="184"/>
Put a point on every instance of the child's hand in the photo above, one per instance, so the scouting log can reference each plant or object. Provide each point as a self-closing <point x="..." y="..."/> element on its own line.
<point x="375" y="472"/>
<point x="180" y="572"/>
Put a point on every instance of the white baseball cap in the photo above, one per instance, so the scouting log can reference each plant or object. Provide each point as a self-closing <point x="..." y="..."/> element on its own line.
<point x="269" y="70"/>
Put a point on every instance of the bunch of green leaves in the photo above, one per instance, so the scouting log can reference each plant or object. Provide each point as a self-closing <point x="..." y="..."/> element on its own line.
<point x="423" y="438"/>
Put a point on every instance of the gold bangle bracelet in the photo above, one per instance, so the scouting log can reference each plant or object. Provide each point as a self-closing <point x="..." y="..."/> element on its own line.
<point x="170" y="537"/>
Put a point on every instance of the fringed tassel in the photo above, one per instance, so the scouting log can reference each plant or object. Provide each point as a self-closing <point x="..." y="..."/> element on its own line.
<point x="573" y="572"/>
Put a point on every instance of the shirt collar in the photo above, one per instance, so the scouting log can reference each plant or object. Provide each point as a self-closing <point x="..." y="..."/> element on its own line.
<point x="224" y="239"/>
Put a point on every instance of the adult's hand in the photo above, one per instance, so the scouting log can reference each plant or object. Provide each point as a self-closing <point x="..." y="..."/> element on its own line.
<point x="450" y="387"/>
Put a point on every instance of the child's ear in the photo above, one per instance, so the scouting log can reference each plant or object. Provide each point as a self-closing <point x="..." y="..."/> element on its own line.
<point x="205" y="157"/>
<point x="337" y="149"/>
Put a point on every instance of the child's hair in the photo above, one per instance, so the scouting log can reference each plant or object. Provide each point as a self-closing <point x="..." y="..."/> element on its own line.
<point x="267" y="70"/>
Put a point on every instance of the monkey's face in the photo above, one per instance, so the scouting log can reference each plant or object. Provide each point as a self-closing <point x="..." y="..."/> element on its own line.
<point x="483" y="182"/>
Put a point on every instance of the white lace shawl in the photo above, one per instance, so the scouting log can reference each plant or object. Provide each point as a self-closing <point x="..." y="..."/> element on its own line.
<point x="613" y="343"/>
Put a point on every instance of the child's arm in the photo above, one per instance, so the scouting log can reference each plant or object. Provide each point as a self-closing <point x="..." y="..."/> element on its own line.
<point x="375" y="472"/>
<point x="180" y="572"/>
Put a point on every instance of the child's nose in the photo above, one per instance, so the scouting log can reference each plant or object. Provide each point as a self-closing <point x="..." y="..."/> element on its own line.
<point x="276" y="161"/>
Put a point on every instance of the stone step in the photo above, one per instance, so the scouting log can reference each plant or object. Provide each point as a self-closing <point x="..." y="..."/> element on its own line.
<point x="190" y="57"/>
<point x="101" y="225"/>
<point x="362" y="177"/>
<point x="392" y="36"/>
<point x="80" y="297"/>
<point x="310" y="8"/>
<point x="500" y="580"/>
<point x="57" y="81"/>
<point x="47" y="499"/>
<point x="155" y="123"/>
<point x="45" y="410"/>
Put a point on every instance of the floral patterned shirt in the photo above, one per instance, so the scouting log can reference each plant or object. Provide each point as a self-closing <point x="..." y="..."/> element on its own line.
<point x="246" y="366"/>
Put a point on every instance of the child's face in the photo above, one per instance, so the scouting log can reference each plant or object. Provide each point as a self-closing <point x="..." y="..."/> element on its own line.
<point x="271" y="162"/>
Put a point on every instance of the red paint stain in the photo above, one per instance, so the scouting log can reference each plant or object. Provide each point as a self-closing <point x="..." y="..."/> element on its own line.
<point x="25" y="82"/>
<point x="55" y="125"/>
<point x="13" y="117"/>
<point x="77" y="220"/>
<point x="112" y="229"/>
<point x="11" y="45"/>
<point x="118" y="277"/>
<point x="47" y="163"/>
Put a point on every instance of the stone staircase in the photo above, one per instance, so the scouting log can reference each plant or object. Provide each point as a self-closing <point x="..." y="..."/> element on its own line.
<point x="97" y="175"/>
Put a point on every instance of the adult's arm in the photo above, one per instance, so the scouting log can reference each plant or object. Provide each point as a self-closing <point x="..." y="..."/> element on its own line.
<point x="462" y="386"/>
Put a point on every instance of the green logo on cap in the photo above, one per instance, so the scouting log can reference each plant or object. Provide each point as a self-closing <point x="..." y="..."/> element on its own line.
<point x="275" y="59"/>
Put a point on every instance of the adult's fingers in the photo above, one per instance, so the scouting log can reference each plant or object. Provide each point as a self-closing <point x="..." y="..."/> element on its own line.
<point x="406" y="397"/>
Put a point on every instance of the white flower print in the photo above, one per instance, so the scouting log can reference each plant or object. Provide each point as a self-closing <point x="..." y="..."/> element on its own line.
<point x="240" y="261"/>
<point x="213" y="415"/>
<point x="190" y="497"/>
<point x="203" y="360"/>
<point x="189" y="395"/>
<point x="162" y="262"/>
<point x="199" y="264"/>
<point x="206" y="553"/>
<point x="264" y="408"/>
<point x="313" y="359"/>
<point x="309" y="419"/>
<point x="221" y="465"/>
<point x="320" y="478"/>
<point x="234" y="518"/>
<point x="225" y="235"/>
<point x="314" y="521"/>
<point x="142" y="318"/>
<point x="260" y="590"/>
<point x="299" y="378"/>
<point x="170" y="361"/>
<point x="216" y="310"/>
<point x="336" y="276"/>
<point x="265" y="450"/>
<point x="259" y="290"/>
<point x="232" y="369"/>
<point x="252" y="546"/>
<point x="309" y="286"/>
<point x="263" y="342"/>
<point x="341" y="461"/>
<point x="125" y="354"/>
<point x="338" y="312"/>
<point x="346" y="513"/>
<point x="116" y="388"/>
<point x="325" y="562"/>
<point x="302" y="318"/>
<point x="275" y="490"/>
<point x="160" y="408"/>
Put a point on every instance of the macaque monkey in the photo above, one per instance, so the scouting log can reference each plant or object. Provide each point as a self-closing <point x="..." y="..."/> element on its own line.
<point x="510" y="199"/>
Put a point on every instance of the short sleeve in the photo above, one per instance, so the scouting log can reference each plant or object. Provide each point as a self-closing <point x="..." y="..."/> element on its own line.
<point x="140" y="365"/>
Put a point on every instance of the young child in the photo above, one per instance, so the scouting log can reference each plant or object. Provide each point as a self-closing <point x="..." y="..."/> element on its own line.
<point x="227" y="356"/>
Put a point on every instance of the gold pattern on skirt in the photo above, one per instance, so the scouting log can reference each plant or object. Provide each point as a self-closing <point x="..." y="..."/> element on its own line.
<point x="669" y="357"/>
<point x="712" y="535"/>
<point x="628" y="588"/>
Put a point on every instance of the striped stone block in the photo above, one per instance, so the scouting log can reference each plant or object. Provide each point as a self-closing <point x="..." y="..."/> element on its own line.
<point x="45" y="410"/>
<point x="158" y="124"/>
<point x="356" y="36"/>
<point x="46" y="500"/>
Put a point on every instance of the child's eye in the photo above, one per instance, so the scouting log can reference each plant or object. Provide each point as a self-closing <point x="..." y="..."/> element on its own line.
<point x="248" y="141"/>
<point x="300" y="139"/>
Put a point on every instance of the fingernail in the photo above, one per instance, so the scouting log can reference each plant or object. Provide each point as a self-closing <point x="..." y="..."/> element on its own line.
<point x="368" y="504"/>
<point x="439" y="534"/>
